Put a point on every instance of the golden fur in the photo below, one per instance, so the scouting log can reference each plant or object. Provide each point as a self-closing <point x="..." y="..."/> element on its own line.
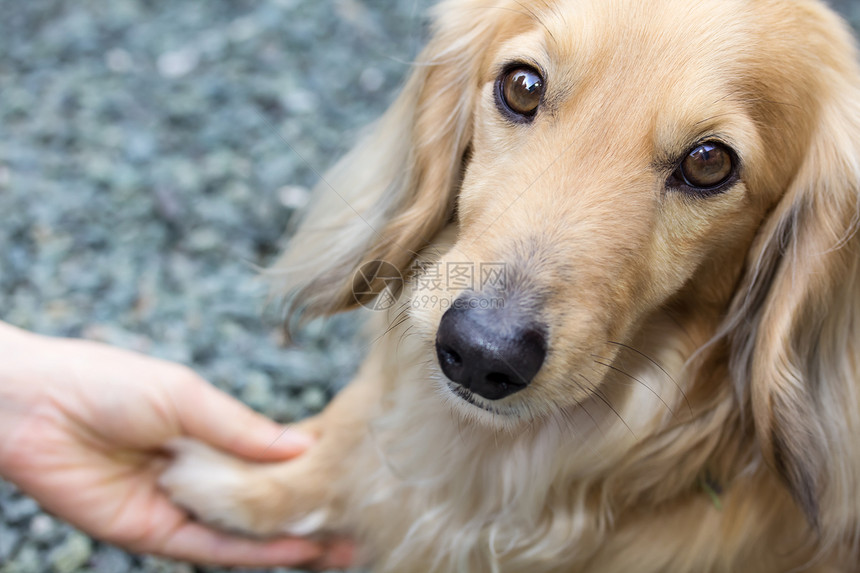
<point x="695" y="343"/>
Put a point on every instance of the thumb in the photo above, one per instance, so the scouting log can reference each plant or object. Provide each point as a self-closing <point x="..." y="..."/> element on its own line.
<point x="216" y="418"/>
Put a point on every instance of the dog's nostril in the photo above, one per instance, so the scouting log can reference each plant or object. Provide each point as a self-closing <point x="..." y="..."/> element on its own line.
<point x="500" y="379"/>
<point x="450" y="356"/>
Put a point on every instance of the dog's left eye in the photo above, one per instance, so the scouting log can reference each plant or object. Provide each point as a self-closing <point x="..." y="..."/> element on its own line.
<point x="519" y="91"/>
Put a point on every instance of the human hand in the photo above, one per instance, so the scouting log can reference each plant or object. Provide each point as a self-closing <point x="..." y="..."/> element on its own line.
<point x="83" y="428"/>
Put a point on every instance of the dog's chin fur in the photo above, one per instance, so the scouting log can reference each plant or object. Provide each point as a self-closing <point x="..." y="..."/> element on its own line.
<point x="698" y="407"/>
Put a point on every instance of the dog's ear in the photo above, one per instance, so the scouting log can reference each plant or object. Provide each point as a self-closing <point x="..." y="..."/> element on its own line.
<point x="391" y="195"/>
<point x="795" y="324"/>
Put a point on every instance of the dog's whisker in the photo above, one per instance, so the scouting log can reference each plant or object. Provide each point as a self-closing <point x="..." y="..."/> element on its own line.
<point x="581" y="404"/>
<point x="663" y="370"/>
<point x="597" y="359"/>
<point x="597" y="391"/>
<point x="403" y="336"/>
<point x="556" y="420"/>
<point x="398" y="319"/>
<point x="392" y="326"/>
<point x="403" y="317"/>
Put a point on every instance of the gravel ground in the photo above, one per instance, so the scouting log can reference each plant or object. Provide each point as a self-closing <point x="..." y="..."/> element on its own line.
<point x="145" y="173"/>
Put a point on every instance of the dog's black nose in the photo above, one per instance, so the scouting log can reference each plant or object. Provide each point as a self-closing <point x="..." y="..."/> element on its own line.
<point x="491" y="351"/>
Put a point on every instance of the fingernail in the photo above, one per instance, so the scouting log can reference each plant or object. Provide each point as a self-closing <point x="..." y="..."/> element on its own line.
<point x="290" y="437"/>
<point x="295" y="551"/>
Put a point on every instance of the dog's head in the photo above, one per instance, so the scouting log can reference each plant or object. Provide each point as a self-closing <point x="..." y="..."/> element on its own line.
<point x="602" y="161"/>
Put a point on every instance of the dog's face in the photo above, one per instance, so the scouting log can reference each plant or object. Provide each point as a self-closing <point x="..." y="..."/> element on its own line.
<point x="622" y="157"/>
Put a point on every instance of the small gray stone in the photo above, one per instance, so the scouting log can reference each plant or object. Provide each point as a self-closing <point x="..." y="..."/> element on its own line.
<point x="160" y="565"/>
<point x="242" y="29"/>
<point x="294" y="196"/>
<point x="110" y="560"/>
<point x="119" y="61"/>
<point x="204" y="239"/>
<point x="299" y="101"/>
<point x="314" y="398"/>
<point x="178" y="63"/>
<point x="27" y="560"/>
<point x="257" y="392"/>
<point x="372" y="79"/>
<point x="9" y="538"/>
<point x="283" y="410"/>
<point x="7" y="489"/>
<point x="18" y="509"/>
<point x="72" y="553"/>
<point x="43" y="528"/>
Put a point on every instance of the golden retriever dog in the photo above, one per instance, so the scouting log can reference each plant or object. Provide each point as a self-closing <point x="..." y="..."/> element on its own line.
<point x="662" y="372"/>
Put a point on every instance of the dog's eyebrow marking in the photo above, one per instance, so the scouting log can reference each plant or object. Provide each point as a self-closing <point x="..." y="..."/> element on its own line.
<point x="750" y="99"/>
<point x="538" y="19"/>
<point x="526" y="11"/>
<point x="713" y="117"/>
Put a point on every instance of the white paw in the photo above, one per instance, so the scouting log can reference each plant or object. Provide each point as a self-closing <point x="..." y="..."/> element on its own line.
<point x="209" y="484"/>
<point x="307" y="525"/>
<point x="233" y="494"/>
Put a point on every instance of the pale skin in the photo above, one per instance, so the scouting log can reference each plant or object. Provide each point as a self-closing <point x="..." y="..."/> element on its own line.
<point x="84" y="427"/>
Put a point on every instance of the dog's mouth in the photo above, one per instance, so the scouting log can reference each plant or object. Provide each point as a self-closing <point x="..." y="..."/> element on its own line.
<point x="473" y="399"/>
<point x="466" y="395"/>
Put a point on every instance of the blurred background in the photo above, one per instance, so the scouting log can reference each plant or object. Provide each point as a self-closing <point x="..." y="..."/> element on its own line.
<point x="151" y="153"/>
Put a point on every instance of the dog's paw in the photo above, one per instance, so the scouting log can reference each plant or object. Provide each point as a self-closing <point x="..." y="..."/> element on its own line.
<point x="209" y="484"/>
<point x="237" y="495"/>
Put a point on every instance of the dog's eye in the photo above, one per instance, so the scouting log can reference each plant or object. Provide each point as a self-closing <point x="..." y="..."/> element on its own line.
<point x="706" y="167"/>
<point x="520" y="91"/>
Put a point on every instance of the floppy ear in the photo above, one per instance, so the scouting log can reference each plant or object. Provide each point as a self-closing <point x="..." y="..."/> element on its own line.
<point x="389" y="197"/>
<point x="795" y="338"/>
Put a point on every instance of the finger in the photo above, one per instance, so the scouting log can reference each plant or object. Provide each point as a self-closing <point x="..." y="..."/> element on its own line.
<point x="199" y="544"/>
<point x="338" y="555"/>
<point x="216" y="418"/>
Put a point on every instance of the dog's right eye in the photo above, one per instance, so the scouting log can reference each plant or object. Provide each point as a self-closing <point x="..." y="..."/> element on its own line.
<point x="519" y="91"/>
<point x="707" y="168"/>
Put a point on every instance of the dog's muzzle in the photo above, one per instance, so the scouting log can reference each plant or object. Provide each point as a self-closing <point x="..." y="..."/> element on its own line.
<point x="492" y="352"/>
